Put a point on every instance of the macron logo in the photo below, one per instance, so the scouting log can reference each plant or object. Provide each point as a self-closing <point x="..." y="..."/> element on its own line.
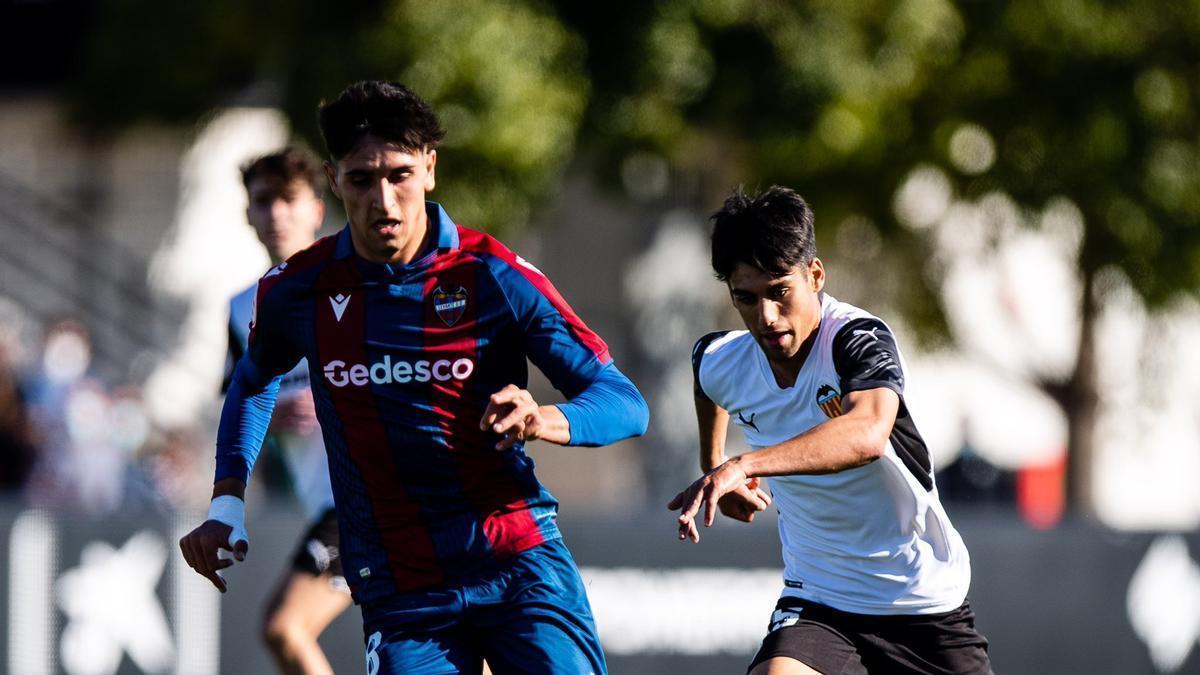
<point x="339" y="303"/>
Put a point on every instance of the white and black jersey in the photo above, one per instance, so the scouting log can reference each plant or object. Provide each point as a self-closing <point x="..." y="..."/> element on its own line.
<point x="869" y="540"/>
<point x="304" y="454"/>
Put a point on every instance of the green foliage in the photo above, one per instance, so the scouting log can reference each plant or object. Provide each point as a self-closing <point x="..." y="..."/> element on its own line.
<point x="505" y="76"/>
<point x="1091" y="100"/>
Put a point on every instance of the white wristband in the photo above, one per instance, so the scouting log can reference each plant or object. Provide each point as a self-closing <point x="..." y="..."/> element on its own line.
<point x="231" y="511"/>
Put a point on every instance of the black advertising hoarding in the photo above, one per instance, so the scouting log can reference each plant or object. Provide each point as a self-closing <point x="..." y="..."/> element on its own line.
<point x="112" y="596"/>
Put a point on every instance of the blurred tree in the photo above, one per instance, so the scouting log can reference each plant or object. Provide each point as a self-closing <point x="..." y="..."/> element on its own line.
<point x="1094" y="101"/>
<point x="506" y="78"/>
<point x="1089" y="100"/>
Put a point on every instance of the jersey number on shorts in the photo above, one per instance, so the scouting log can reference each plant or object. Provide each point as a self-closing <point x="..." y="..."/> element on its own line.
<point x="372" y="657"/>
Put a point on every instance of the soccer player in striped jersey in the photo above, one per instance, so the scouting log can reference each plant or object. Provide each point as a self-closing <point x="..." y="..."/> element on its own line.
<point x="875" y="575"/>
<point x="285" y="209"/>
<point x="416" y="330"/>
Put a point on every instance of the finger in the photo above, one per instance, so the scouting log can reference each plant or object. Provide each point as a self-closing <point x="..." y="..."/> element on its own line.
<point x="497" y="404"/>
<point x="194" y="554"/>
<point x="710" y="507"/>
<point x="751" y="501"/>
<point x="216" y="580"/>
<point x="687" y="530"/>
<point x="763" y="495"/>
<point x="224" y="563"/>
<point x="240" y="548"/>
<point x="510" y="439"/>
<point x="691" y="505"/>
<point x="515" y="418"/>
<point x="489" y="416"/>
<point x="676" y="502"/>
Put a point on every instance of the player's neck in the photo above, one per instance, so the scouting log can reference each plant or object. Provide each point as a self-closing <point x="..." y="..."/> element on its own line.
<point x="423" y="242"/>
<point x="786" y="371"/>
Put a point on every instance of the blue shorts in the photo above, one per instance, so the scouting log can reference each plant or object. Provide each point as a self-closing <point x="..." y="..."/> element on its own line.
<point x="530" y="616"/>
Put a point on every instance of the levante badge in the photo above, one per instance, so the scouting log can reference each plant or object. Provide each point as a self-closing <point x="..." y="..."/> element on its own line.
<point x="449" y="306"/>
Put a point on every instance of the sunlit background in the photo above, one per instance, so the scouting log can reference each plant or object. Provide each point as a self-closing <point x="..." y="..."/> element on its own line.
<point x="1014" y="187"/>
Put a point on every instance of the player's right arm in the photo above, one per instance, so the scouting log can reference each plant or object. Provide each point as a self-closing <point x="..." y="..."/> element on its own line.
<point x="245" y="417"/>
<point x="713" y="423"/>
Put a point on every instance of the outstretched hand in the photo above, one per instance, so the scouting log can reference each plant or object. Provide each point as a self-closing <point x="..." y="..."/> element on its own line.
<point x="514" y="413"/>
<point x="726" y="487"/>
<point x="201" y="548"/>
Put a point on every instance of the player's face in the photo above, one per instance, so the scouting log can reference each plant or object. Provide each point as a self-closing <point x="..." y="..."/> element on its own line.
<point x="383" y="186"/>
<point x="285" y="216"/>
<point x="780" y="312"/>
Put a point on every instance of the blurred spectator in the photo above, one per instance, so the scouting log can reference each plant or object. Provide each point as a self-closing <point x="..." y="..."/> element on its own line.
<point x="16" y="434"/>
<point x="80" y="465"/>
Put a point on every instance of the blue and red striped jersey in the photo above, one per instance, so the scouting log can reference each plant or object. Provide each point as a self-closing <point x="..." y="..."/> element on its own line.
<point x="403" y="359"/>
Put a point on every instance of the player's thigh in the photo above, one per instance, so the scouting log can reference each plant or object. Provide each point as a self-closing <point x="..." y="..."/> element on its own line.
<point x="448" y="651"/>
<point x="307" y="601"/>
<point x="802" y="638"/>
<point x="544" y="622"/>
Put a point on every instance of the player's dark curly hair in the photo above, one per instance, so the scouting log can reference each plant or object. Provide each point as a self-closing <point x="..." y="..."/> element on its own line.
<point x="285" y="166"/>
<point x="772" y="230"/>
<point x="388" y="110"/>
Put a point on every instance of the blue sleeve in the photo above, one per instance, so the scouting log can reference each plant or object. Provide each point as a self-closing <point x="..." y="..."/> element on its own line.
<point x="250" y="398"/>
<point x="610" y="409"/>
<point x="244" y="419"/>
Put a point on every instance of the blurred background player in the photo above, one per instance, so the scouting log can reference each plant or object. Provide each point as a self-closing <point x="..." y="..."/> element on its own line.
<point x="418" y="332"/>
<point x="875" y="575"/>
<point x="285" y="210"/>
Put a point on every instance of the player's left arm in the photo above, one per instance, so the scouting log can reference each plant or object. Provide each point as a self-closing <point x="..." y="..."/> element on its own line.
<point x="609" y="409"/>
<point x="867" y="360"/>
<point x="603" y="406"/>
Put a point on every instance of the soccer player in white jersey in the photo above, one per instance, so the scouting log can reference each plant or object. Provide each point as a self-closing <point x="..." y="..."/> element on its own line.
<point x="875" y="576"/>
<point x="285" y="210"/>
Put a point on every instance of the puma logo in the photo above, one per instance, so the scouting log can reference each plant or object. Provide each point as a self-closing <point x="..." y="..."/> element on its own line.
<point x="748" y="422"/>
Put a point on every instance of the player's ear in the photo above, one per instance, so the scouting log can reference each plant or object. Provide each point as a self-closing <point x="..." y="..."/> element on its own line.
<point x="331" y="176"/>
<point x="430" y="166"/>
<point x="816" y="275"/>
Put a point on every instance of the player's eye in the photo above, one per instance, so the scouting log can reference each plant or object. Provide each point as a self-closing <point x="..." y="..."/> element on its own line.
<point x="399" y="176"/>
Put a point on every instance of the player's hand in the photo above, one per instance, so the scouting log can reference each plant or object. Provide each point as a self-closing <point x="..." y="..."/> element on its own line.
<point x="745" y="501"/>
<point x="706" y="491"/>
<point x="200" y="549"/>
<point x="295" y="414"/>
<point x="514" y="413"/>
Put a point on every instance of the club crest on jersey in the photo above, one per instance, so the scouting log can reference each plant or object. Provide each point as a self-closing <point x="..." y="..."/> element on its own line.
<point x="449" y="306"/>
<point x="830" y="401"/>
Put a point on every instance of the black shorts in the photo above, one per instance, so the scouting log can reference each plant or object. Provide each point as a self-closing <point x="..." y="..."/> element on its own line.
<point x="835" y="642"/>
<point x="317" y="553"/>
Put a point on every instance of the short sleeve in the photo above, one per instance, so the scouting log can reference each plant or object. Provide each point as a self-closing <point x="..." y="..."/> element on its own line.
<point x="269" y="345"/>
<point x="866" y="357"/>
<point x="698" y="356"/>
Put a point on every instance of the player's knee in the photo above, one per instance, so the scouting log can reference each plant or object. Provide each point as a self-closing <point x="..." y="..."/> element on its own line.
<point x="281" y="633"/>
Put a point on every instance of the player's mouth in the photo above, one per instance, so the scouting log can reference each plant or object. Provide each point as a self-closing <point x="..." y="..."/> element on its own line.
<point x="387" y="227"/>
<point x="776" y="339"/>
